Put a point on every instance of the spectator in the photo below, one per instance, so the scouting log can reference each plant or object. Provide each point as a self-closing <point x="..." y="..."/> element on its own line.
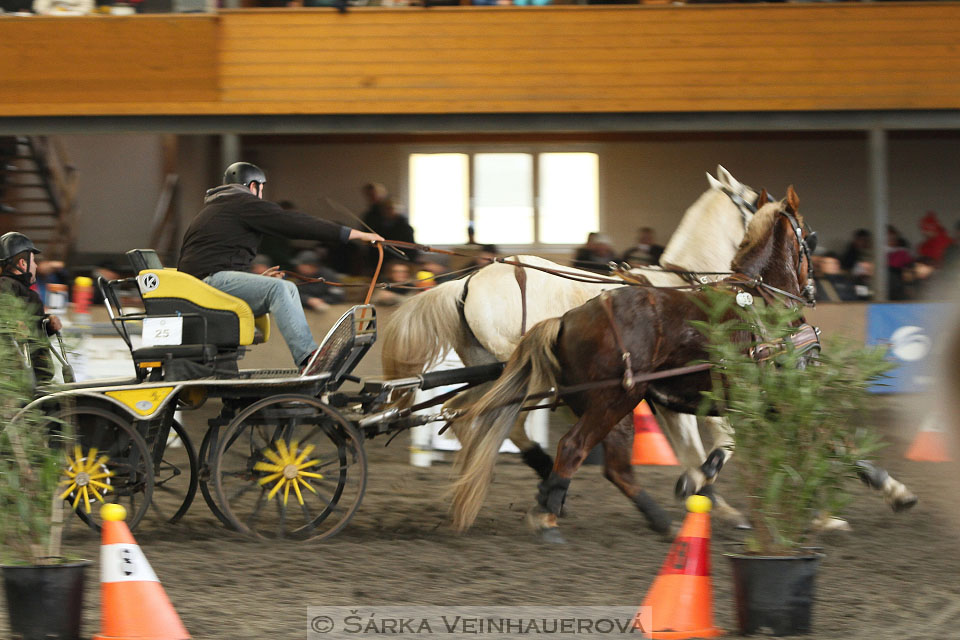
<point x="486" y="254"/>
<point x="937" y="239"/>
<point x="646" y="252"/>
<point x="383" y="218"/>
<point x="832" y="284"/>
<point x="398" y="277"/>
<point x="859" y="249"/>
<point x="595" y="254"/>
<point x="432" y="268"/>
<point x="261" y="263"/>
<point x="951" y="255"/>
<point x="317" y="296"/>
<point x="898" y="260"/>
<point x="921" y="278"/>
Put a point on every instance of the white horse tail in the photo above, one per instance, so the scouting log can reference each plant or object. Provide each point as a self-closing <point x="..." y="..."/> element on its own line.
<point x="532" y="367"/>
<point x="422" y="329"/>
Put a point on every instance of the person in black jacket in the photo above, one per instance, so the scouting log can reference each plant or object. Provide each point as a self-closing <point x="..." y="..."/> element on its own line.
<point x="222" y="241"/>
<point x="19" y="271"/>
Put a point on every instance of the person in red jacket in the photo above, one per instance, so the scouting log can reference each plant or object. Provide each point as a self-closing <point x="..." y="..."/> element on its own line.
<point x="937" y="239"/>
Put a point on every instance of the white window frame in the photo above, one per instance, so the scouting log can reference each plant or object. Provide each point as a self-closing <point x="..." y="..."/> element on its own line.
<point x="533" y="149"/>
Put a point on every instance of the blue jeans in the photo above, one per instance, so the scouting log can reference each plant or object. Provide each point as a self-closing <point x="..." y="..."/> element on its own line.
<point x="277" y="297"/>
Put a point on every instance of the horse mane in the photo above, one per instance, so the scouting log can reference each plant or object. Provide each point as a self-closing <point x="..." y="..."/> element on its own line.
<point x="760" y="240"/>
<point x="708" y="234"/>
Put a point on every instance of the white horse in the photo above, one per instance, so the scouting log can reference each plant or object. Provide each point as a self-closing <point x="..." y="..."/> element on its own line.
<point x="483" y="317"/>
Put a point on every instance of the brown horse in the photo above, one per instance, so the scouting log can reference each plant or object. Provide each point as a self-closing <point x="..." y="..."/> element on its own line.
<point x="645" y="327"/>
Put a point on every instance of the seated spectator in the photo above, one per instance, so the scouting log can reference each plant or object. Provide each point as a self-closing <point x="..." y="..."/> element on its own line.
<point x="398" y="276"/>
<point x="595" y="255"/>
<point x="898" y="259"/>
<point x="859" y="249"/>
<point x="432" y="268"/>
<point x="383" y="218"/>
<point x="937" y="240"/>
<point x="484" y="256"/>
<point x="951" y="255"/>
<point x="317" y="296"/>
<point x="832" y="284"/>
<point x="646" y="252"/>
<point x="920" y="278"/>
<point x="261" y="262"/>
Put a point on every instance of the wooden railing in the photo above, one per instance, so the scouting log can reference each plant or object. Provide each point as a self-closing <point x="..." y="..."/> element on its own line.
<point x="555" y="59"/>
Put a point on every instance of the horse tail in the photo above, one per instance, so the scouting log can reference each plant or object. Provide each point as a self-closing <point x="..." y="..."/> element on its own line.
<point x="422" y="329"/>
<point x="533" y="366"/>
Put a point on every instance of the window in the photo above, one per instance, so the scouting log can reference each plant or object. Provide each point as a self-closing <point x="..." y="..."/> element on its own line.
<point x="518" y="198"/>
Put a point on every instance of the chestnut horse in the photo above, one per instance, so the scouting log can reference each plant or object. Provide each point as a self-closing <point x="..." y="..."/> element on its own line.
<point x="590" y="343"/>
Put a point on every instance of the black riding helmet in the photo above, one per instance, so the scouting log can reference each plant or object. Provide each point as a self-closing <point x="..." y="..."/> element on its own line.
<point x="244" y="173"/>
<point x="13" y="243"/>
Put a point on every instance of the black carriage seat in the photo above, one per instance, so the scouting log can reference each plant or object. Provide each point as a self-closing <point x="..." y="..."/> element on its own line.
<point x="216" y="326"/>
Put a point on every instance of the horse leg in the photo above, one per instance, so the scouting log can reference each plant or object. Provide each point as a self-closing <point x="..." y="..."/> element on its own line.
<point x="617" y="451"/>
<point x="895" y="492"/>
<point x="700" y="470"/>
<point x="572" y="450"/>
<point x="531" y="452"/>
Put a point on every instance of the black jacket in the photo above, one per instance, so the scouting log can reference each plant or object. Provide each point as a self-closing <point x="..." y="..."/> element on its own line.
<point x="19" y="285"/>
<point x="227" y="232"/>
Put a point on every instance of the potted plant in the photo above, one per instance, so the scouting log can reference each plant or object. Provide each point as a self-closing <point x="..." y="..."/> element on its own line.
<point x="799" y="433"/>
<point x="44" y="591"/>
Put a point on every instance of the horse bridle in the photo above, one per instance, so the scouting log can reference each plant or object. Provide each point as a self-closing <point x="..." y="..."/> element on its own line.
<point x="807" y="245"/>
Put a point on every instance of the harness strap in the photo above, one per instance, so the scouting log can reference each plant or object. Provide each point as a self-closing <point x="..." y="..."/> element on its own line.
<point x="521" y="274"/>
<point x="607" y="304"/>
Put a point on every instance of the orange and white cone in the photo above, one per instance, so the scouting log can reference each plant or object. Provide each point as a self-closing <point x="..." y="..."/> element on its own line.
<point x="930" y="445"/>
<point x="133" y="605"/>
<point x="681" y="599"/>
<point x="650" y="446"/>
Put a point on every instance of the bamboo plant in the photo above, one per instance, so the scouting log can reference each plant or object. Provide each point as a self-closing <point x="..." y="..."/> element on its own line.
<point x="31" y="454"/>
<point x="798" y="421"/>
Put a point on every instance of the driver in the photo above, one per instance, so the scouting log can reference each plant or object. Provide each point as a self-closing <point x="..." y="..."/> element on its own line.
<point x="18" y="270"/>
<point x="221" y="243"/>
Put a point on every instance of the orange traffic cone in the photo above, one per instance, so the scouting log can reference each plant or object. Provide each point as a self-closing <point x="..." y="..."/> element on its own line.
<point x="681" y="599"/>
<point x="650" y="446"/>
<point x="133" y="605"/>
<point x="930" y="445"/>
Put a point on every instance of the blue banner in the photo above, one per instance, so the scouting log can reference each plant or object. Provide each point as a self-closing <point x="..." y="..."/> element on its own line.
<point x="910" y="330"/>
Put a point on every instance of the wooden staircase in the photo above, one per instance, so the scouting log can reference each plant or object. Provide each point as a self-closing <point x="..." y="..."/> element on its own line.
<point x="38" y="191"/>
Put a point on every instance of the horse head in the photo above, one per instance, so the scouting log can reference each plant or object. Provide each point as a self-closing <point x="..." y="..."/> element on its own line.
<point x="712" y="227"/>
<point x="777" y="247"/>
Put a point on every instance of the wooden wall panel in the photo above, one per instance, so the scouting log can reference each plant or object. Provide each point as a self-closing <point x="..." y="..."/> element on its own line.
<point x="60" y="64"/>
<point x="806" y="57"/>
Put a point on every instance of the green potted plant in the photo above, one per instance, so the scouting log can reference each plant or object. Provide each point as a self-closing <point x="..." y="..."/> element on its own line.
<point x="44" y="591"/>
<point x="799" y="433"/>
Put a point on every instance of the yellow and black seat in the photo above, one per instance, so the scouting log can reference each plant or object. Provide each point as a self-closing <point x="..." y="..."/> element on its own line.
<point x="216" y="327"/>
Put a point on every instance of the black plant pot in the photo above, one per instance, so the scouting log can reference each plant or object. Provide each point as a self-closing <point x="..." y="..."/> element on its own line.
<point x="774" y="592"/>
<point x="45" y="602"/>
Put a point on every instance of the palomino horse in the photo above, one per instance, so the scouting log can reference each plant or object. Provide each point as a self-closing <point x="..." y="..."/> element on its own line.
<point x="645" y="326"/>
<point x="482" y="319"/>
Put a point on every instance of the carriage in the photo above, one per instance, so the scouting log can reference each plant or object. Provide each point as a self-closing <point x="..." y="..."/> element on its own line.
<point x="284" y="456"/>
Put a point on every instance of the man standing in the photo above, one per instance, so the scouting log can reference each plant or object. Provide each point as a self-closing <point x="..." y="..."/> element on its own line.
<point x="222" y="241"/>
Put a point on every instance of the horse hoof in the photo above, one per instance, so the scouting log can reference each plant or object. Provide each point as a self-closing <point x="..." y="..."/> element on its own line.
<point x="685" y="487"/>
<point x="668" y="534"/>
<point x="904" y="504"/>
<point x="552" y="535"/>
<point x="826" y="524"/>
